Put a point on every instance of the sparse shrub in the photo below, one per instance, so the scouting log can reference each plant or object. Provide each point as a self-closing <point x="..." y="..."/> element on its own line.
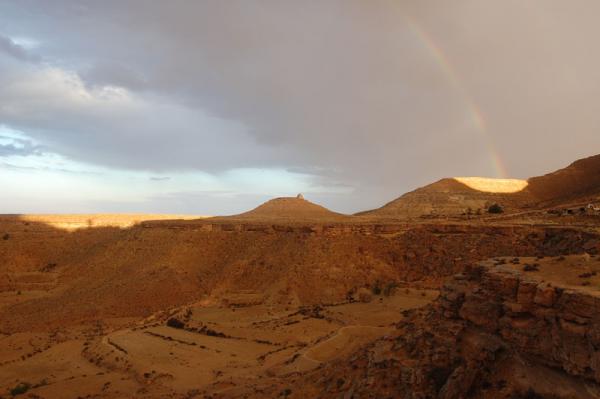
<point x="376" y="289"/>
<point x="6" y="236"/>
<point x="20" y="389"/>
<point x="439" y="376"/>
<point x="175" y="323"/>
<point x="213" y="333"/>
<point x="530" y="268"/>
<point x="390" y="288"/>
<point x="486" y="384"/>
<point x="495" y="208"/>
<point x="350" y="295"/>
<point x="49" y="267"/>
<point x="531" y="394"/>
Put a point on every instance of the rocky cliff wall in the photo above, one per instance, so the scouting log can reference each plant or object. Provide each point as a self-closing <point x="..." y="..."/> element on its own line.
<point x="496" y="331"/>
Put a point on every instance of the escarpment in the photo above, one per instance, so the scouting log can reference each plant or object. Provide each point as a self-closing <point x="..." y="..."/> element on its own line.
<point x="505" y="328"/>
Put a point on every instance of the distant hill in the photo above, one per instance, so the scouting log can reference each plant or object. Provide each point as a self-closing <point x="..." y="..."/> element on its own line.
<point x="290" y="208"/>
<point x="579" y="181"/>
<point x="455" y="196"/>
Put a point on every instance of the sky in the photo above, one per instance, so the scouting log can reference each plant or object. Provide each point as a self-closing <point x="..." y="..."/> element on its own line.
<point x="213" y="107"/>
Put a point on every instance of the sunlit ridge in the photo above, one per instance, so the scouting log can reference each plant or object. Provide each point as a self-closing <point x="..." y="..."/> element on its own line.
<point x="490" y="185"/>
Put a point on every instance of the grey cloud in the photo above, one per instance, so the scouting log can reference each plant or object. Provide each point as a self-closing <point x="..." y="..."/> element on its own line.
<point x="106" y="74"/>
<point x="7" y="46"/>
<point x="160" y="178"/>
<point x="373" y="95"/>
<point x="18" y="147"/>
<point x="114" y="129"/>
<point x="9" y="149"/>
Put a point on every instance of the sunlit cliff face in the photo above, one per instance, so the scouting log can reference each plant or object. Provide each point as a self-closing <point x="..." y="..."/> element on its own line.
<point x="489" y="185"/>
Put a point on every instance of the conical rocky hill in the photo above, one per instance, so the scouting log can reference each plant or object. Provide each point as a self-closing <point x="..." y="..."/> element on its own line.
<point x="290" y="208"/>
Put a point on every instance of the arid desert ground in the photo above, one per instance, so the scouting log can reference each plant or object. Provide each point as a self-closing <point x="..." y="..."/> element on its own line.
<point x="468" y="287"/>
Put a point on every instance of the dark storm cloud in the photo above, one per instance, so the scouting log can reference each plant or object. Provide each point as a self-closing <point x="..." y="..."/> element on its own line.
<point x="370" y="94"/>
<point x="10" y="48"/>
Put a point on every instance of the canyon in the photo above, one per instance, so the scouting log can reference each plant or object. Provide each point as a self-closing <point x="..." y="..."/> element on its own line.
<point x="432" y="295"/>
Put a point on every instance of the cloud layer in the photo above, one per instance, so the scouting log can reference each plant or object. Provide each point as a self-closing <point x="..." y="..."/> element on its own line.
<point x="376" y="97"/>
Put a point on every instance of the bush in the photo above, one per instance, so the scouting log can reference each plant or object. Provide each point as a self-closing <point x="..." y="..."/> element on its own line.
<point x="376" y="290"/>
<point x="6" y="236"/>
<point x="439" y="376"/>
<point x="49" y="267"/>
<point x="20" y="389"/>
<point x="495" y="209"/>
<point x="531" y="394"/>
<point x="389" y="288"/>
<point x="175" y="323"/>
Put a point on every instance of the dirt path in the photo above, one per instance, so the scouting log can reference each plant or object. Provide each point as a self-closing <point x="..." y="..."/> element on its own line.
<point x="340" y="342"/>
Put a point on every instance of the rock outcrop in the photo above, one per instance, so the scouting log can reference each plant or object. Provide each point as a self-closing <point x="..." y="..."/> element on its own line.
<point x="290" y="209"/>
<point x="558" y="326"/>
<point x="495" y="332"/>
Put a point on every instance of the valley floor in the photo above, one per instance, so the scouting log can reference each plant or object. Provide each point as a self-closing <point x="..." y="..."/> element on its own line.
<point x="124" y="307"/>
<point x="194" y="350"/>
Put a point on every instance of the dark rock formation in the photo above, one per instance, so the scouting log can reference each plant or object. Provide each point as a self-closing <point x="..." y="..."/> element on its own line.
<point x="494" y="332"/>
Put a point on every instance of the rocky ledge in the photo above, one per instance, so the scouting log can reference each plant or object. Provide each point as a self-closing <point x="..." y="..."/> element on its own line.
<point x="559" y="325"/>
<point x="496" y="331"/>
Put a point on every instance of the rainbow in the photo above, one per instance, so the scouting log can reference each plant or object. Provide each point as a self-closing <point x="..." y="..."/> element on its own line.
<point x="476" y="115"/>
